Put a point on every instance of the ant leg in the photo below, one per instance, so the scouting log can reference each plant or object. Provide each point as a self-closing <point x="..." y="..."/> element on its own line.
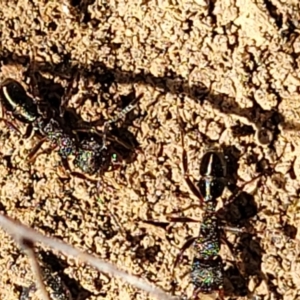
<point x="32" y="70"/>
<point x="185" y="246"/>
<point x="93" y="131"/>
<point x="184" y="209"/>
<point x="47" y="151"/>
<point x="110" y="138"/>
<point x="119" y="116"/>
<point x="234" y="229"/>
<point x="84" y="176"/>
<point x="65" y="164"/>
<point x="107" y="124"/>
<point x="30" y="130"/>
<point x="67" y="95"/>
<point x="188" y="181"/>
<point x="182" y="220"/>
<point x="125" y="111"/>
<point x="122" y="143"/>
<point x="274" y="234"/>
<point x="31" y="156"/>
<point x="179" y="256"/>
<point x="104" y="137"/>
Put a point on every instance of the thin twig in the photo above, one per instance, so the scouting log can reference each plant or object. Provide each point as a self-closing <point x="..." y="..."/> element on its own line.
<point x="36" y="270"/>
<point x="20" y="231"/>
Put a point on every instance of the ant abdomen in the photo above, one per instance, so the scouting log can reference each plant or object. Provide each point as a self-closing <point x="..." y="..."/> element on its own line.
<point x="207" y="276"/>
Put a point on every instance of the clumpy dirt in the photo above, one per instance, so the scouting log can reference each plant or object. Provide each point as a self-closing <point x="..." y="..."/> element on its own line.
<point x="228" y="69"/>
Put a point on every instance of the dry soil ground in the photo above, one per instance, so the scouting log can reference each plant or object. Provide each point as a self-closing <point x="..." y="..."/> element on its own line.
<point x="229" y="68"/>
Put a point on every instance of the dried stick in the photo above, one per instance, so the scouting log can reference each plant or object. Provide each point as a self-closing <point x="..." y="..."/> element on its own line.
<point x="21" y="232"/>
<point x="35" y="267"/>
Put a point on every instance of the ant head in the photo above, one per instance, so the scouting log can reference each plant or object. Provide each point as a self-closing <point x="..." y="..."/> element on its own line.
<point x="213" y="164"/>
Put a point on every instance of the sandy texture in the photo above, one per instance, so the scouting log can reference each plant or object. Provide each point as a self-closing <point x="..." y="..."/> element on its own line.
<point x="229" y="68"/>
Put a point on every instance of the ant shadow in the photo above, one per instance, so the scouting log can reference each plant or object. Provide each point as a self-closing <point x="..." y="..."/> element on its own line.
<point x="238" y="213"/>
<point x="57" y="265"/>
<point x="174" y="84"/>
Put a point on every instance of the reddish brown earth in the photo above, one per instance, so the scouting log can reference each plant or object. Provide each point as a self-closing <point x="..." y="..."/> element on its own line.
<point x="229" y="69"/>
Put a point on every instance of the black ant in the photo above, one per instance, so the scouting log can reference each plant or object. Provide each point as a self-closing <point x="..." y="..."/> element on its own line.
<point x="207" y="268"/>
<point x="92" y="154"/>
<point x="207" y="273"/>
